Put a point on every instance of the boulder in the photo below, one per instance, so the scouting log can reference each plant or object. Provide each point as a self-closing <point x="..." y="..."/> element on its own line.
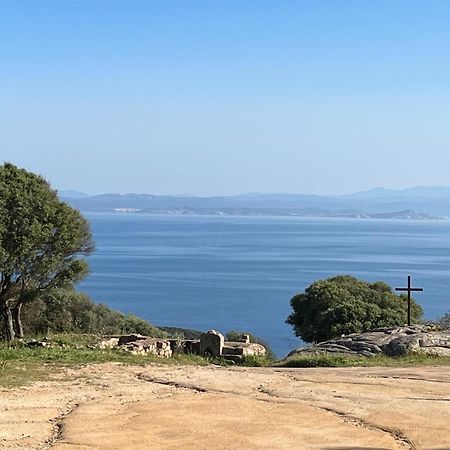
<point x="253" y="349"/>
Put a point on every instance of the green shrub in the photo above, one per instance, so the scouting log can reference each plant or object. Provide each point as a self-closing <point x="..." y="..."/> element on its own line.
<point x="256" y="361"/>
<point x="68" y="311"/>
<point x="344" y="305"/>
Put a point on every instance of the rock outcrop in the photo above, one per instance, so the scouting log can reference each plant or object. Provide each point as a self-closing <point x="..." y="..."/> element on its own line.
<point x="394" y="341"/>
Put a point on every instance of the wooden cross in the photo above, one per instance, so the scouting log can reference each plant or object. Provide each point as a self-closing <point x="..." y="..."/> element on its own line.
<point x="409" y="289"/>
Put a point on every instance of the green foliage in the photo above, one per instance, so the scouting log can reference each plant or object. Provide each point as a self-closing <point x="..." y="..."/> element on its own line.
<point x="68" y="311"/>
<point x="322" y="361"/>
<point x="326" y="360"/>
<point x="256" y="361"/>
<point x="342" y="305"/>
<point x="20" y="365"/>
<point x="235" y="336"/>
<point x="182" y="333"/>
<point x="42" y="241"/>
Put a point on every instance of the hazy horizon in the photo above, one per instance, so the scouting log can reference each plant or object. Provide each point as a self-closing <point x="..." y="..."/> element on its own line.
<point x="316" y="97"/>
<point x="187" y="194"/>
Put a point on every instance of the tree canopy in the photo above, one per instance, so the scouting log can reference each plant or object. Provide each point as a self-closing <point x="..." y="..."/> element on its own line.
<point x="343" y="304"/>
<point x="42" y="243"/>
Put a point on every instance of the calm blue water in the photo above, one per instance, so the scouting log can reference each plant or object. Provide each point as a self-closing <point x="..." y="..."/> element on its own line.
<point x="240" y="272"/>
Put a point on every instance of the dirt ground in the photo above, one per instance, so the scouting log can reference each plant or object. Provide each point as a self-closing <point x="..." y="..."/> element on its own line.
<point x="111" y="406"/>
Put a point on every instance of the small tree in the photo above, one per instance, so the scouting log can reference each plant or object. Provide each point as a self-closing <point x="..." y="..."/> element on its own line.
<point x="41" y="243"/>
<point x="342" y="305"/>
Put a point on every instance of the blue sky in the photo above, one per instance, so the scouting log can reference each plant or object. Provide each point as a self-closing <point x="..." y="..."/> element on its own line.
<point x="207" y="97"/>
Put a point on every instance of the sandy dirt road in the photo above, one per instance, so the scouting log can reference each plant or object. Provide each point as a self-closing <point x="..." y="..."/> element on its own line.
<point x="111" y="406"/>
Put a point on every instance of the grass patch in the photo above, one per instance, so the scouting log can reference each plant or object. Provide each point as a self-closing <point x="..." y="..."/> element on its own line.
<point x="14" y="374"/>
<point x="74" y="340"/>
<point x="256" y="361"/>
<point x="326" y="360"/>
<point x="20" y="365"/>
<point x="246" y="361"/>
<point x="70" y="356"/>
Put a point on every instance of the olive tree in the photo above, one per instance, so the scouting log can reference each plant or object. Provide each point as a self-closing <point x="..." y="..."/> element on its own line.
<point x="343" y="304"/>
<point x="42" y="243"/>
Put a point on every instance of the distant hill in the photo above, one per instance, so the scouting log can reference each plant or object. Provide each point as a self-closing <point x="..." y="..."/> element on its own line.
<point x="70" y="193"/>
<point x="414" y="192"/>
<point x="413" y="203"/>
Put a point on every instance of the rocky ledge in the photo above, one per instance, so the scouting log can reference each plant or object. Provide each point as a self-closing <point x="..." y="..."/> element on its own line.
<point x="395" y="341"/>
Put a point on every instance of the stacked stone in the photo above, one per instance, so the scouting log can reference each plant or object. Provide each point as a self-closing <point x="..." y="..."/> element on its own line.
<point x="111" y="342"/>
<point x="150" y="346"/>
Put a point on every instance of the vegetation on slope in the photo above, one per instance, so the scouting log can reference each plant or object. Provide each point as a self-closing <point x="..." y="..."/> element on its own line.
<point x="343" y="305"/>
<point x="68" y="311"/>
<point x="20" y="364"/>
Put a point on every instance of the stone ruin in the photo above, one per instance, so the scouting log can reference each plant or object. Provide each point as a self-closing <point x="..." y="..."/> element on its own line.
<point x="139" y="345"/>
<point x="214" y="344"/>
<point x="211" y="343"/>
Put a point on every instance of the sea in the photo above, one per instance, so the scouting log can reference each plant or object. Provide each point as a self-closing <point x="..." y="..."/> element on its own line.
<point x="239" y="273"/>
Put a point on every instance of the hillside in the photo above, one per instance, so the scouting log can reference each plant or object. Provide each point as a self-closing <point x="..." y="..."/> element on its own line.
<point x="415" y="203"/>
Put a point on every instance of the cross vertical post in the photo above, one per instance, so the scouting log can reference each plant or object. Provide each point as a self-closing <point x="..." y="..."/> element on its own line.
<point x="409" y="289"/>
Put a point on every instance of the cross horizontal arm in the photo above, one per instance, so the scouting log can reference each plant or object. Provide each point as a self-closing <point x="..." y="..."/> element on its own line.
<point x="409" y="289"/>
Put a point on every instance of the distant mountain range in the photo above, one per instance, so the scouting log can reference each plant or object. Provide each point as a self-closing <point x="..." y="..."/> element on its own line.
<point x="417" y="191"/>
<point x="70" y="193"/>
<point x="412" y="203"/>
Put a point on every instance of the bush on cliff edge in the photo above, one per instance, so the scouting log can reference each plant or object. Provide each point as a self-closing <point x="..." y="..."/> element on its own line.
<point x="343" y="305"/>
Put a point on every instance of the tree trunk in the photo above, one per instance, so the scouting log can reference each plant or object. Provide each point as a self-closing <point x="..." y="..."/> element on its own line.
<point x="8" y="328"/>
<point x="17" y="321"/>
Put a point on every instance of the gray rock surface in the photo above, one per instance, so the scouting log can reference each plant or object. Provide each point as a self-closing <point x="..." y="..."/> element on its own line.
<point x="394" y="341"/>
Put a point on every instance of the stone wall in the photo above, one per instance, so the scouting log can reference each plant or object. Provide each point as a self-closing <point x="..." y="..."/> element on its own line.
<point x="150" y="346"/>
<point x="138" y="345"/>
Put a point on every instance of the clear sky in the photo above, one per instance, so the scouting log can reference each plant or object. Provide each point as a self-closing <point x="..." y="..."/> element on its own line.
<point x="222" y="97"/>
